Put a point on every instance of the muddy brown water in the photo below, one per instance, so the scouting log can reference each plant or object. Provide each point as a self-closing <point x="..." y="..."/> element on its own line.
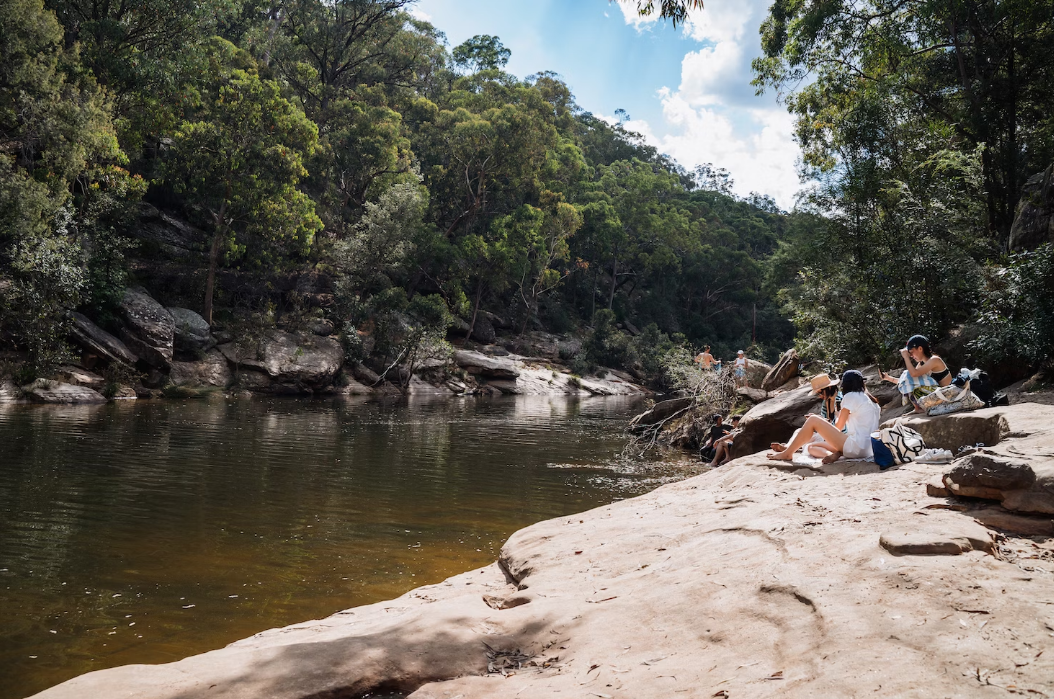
<point x="149" y="531"/>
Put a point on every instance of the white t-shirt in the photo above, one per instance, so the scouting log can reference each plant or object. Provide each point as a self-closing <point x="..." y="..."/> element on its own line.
<point x="864" y="416"/>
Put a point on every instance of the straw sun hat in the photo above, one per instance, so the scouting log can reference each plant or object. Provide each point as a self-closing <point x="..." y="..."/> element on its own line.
<point x="822" y="381"/>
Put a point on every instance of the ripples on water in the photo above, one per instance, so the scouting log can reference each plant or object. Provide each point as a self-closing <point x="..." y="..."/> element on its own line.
<point x="144" y="533"/>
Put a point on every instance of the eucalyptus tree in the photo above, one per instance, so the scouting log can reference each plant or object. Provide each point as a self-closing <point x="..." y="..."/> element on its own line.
<point x="239" y="156"/>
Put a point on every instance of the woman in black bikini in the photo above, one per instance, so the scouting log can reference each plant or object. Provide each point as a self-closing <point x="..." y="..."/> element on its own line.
<point x="920" y="361"/>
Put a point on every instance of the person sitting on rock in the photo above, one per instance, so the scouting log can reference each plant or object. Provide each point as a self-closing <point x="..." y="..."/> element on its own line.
<point x="832" y="397"/>
<point x="718" y="429"/>
<point x="924" y="371"/>
<point x="723" y="446"/>
<point x="859" y="416"/>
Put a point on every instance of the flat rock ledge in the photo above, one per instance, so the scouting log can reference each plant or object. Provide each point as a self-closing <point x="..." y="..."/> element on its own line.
<point x="746" y="581"/>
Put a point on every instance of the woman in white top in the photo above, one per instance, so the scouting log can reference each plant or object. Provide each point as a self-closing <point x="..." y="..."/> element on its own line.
<point x="741" y="365"/>
<point x="859" y="416"/>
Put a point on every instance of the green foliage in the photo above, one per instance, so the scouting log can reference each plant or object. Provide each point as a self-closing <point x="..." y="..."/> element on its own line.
<point x="240" y="158"/>
<point x="1017" y="317"/>
<point x="481" y="52"/>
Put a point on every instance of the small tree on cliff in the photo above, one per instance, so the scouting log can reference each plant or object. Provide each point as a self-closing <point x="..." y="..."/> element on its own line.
<point x="240" y="156"/>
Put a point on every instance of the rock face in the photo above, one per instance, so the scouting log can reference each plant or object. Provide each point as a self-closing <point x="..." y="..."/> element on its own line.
<point x="149" y="329"/>
<point x="756" y="372"/>
<point x="1034" y="221"/>
<point x="306" y="361"/>
<point x="754" y="395"/>
<point x="773" y="421"/>
<point x="746" y="581"/>
<point x="45" y="391"/>
<point x="192" y="333"/>
<point x="211" y="371"/>
<point x="99" y="342"/>
<point x="784" y="370"/>
<point x="483" y="330"/>
<point x="8" y="391"/>
<point x="80" y="377"/>
<point x="486" y="366"/>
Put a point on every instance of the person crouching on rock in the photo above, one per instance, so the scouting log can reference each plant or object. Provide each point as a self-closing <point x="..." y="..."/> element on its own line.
<point x="718" y="429"/>
<point x="924" y="371"/>
<point x="859" y="415"/>
<point x="723" y="446"/>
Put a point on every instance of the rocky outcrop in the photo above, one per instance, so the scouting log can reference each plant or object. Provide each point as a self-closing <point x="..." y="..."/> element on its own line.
<point x="9" y="393"/>
<point x="192" y="332"/>
<point x="773" y="421"/>
<point x="754" y="395"/>
<point x="149" y="329"/>
<point x="100" y="343"/>
<point x="211" y="371"/>
<point x="173" y="238"/>
<point x="45" y="391"/>
<point x="79" y="377"/>
<point x="784" y="370"/>
<point x="746" y="581"/>
<point x="1020" y="484"/>
<point x="756" y="372"/>
<point x="306" y="361"/>
<point x="1034" y="220"/>
<point x="486" y="366"/>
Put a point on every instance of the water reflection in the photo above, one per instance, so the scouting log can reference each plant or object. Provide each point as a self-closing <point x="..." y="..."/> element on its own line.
<point x="147" y="532"/>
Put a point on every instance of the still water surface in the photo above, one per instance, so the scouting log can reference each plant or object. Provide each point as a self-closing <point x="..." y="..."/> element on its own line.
<point x="147" y="532"/>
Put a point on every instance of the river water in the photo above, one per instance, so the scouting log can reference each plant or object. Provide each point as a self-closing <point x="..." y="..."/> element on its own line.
<point x="149" y="531"/>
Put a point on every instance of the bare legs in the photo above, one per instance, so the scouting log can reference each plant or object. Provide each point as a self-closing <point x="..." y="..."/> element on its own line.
<point x="831" y="446"/>
<point x="721" y="450"/>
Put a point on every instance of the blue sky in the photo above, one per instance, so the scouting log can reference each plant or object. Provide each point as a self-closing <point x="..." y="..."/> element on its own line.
<point x="687" y="89"/>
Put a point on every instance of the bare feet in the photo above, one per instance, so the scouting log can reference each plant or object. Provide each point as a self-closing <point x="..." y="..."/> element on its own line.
<point x="831" y="458"/>
<point x="780" y="456"/>
<point x="777" y="447"/>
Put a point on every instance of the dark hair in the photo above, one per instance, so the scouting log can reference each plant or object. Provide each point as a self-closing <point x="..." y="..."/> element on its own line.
<point x="735" y="418"/>
<point x="716" y="416"/>
<point x="829" y="391"/>
<point x="922" y="342"/>
<point x="852" y="381"/>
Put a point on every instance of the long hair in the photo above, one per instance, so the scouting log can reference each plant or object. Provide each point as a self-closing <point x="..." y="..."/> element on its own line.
<point x="852" y="381"/>
<point x="922" y="342"/>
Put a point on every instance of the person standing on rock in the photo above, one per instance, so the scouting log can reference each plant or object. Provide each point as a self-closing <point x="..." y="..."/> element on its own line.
<point x="859" y="416"/>
<point x="741" y="366"/>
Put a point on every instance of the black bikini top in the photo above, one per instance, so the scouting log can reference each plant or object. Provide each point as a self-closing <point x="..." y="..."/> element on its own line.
<point x="938" y="376"/>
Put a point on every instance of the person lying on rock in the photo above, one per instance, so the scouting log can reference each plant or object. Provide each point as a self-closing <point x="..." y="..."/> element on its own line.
<point x="718" y="429"/>
<point x="924" y="371"/>
<point x="723" y="446"/>
<point x="859" y="416"/>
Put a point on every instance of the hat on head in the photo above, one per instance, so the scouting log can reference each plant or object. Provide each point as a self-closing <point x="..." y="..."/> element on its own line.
<point x="822" y="381"/>
<point x="740" y="352"/>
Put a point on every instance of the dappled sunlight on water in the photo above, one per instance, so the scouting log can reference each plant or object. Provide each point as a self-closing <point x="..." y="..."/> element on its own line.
<point x="142" y="533"/>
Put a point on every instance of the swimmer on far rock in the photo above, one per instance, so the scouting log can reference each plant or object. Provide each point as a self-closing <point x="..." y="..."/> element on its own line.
<point x="859" y="415"/>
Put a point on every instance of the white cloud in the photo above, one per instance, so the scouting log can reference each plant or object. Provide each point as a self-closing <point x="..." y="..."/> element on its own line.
<point x="632" y="17"/>
<point x="723" y="21"/>
<point x="705" y="73"/>
<point x="418" y="13"/>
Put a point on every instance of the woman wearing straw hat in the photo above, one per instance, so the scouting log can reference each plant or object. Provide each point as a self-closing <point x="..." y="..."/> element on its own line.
<point x="859" y="417"/>
<point x="828" y="390"/>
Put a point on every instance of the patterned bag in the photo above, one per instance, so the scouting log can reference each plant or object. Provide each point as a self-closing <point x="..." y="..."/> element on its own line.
<point x="966" y="401"/>
<point x="903" y="443"/>
<point x="947" y="394"/>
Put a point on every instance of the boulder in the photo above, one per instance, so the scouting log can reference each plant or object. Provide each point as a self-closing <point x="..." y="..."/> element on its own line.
<point x="754" y="395"/>
<point x="783" y="371"/>
<point x="773" y="421"/>
<point x="322" y="328"/>
<point x="485" y="366"/>
<point x="79" y="377"/>
<point x="887" y="393"/>
<point x="149" y="330"/>
<point x="948" y="539"/>
<point x="45" y="391"/>
<point x="124" y="393"/>
<point x="979" y="427"/>
<point x="100" y="343"/>
<point x="483" y="330"/>
<point x="756" y="372"/>
<point x="172" y="237"/>
<point x="1020" y="484"/>
<point x="659" y="412"/>
<point x="1034" y="220"/>
<point x="304" y="360"/>
<point x="211" y="371"/>
<point x="192" y="332"/>
<point x="366" y="375"/>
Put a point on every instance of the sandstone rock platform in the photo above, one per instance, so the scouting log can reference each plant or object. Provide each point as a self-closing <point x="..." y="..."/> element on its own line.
<point x="745" y="581"/>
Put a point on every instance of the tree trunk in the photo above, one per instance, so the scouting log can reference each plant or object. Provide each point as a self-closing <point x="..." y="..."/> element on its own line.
<point x="614" y="279"/>
<point x="210" y="280"/>
<point x="475" y="311"/>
